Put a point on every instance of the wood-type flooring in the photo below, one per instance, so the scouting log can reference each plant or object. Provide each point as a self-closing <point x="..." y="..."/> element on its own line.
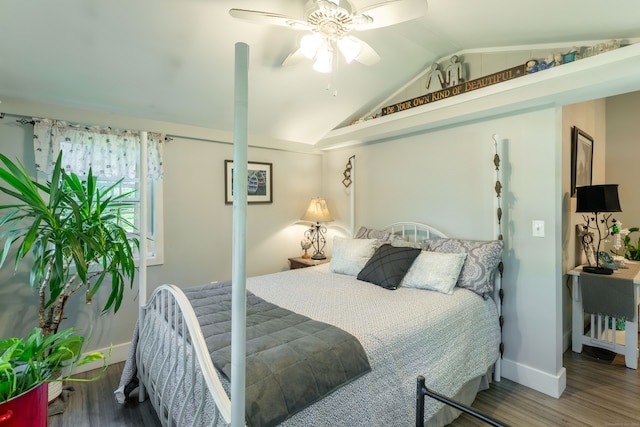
<point x="600" y="392"/>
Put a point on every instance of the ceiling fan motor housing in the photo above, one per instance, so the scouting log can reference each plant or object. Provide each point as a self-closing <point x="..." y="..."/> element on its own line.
<point x="333" y="20"/>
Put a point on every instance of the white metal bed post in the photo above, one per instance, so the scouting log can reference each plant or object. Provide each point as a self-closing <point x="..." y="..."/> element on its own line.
<point x="142" y="252"/>
<point x="353" y="195"/>
<point x="238" y="273"/>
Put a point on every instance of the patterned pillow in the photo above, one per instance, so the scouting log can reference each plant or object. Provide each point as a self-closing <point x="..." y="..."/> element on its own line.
<point x="435" y="271"/>
<point x="479" y="267"/>
<point x="371" y="233"/>
<point x="388" y="266"/>
<point x="348" y="256"/>
<point x="401" y="242"/>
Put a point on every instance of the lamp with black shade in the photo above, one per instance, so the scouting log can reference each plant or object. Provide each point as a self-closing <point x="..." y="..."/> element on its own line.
<point x="317" y="212"/>
<point x="597" y="199"/>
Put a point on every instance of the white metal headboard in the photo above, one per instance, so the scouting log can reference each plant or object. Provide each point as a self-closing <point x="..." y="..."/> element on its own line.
<point x="413" y="231"/>
<point x="417" y="232"/>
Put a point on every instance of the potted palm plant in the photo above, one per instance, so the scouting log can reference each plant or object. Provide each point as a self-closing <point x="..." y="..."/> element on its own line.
<point x="26" y="367"/>
<point x="74" y="235"/>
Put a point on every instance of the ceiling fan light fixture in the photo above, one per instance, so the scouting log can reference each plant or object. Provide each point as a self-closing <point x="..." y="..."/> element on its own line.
<point x="309" y="45"/>
<point x="324" y="59"/>
<point x="330" y="22"/>
<point x="350" y="48"/>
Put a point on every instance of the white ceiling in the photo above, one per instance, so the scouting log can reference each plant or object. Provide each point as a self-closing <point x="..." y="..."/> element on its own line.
<point x="173" y="60"/>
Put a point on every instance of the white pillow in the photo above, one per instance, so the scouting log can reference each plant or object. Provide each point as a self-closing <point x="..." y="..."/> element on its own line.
<point x="349" y="256"/>
<point x="436" y="271"/>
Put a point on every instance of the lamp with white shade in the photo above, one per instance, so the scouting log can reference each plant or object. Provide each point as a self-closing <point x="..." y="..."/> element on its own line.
<point x="317" y="212"/>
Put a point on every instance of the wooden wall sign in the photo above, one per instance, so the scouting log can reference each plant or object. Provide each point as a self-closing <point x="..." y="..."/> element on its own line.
<point x="491" y="79"/>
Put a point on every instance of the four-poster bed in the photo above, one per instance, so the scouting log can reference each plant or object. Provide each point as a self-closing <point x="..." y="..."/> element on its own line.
<point x="451" y="336"/>
<point x="452" y="340"/>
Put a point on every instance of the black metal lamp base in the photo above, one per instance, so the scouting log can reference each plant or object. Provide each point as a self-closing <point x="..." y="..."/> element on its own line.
<point x="596" y="270"/>
<point x="318" y="256"/>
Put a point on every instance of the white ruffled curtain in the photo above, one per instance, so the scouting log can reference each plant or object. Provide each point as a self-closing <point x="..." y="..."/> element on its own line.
<point x="109" y="153"/>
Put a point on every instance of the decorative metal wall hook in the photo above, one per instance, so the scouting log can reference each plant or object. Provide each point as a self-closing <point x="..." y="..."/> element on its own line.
<point x="347" y="181"/>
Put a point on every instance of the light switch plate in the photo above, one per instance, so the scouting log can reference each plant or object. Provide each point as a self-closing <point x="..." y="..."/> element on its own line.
<point x="537" y="228"/>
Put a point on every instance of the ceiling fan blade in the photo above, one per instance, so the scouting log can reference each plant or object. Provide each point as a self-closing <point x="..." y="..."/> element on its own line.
<point x="367" y="55"/>
<point x="391" y="12"/>
<point x="294" y="58"/>
<point x="269" y="18"/>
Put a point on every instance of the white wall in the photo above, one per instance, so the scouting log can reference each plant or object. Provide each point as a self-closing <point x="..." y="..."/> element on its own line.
<point x="623" y="155"/>
<point x="197" y="223"/>
<point x="590" y="118"/>
<point x="446" y="178"/>
<point x="443" y="177"/>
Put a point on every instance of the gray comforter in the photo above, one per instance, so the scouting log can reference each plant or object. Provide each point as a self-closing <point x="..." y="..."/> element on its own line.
<point x="292" y="360"/>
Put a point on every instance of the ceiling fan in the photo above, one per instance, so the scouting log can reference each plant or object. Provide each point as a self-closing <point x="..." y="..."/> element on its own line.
<point x="330" y="23"/>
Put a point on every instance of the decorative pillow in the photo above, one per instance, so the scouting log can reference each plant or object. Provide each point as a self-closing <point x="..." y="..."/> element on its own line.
<point x="479" y="267"/>
<point x="371" y="233"/>
<point x="404" y="243"/>
<point x="348" y="256"/>
<point x="436" y="271"/>
<point x="388" y="266"/>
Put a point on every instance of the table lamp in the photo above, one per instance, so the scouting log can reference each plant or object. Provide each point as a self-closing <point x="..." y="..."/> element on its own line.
<point x="317" y="212"/>
<point x="597" y="199"/>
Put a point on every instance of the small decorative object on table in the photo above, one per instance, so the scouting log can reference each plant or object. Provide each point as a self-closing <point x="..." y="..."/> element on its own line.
<point x="305" y="244"/>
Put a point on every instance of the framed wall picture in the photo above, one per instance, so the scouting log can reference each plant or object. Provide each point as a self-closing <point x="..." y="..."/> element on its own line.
<point x="581" y="159"/>
<point x="259" y="182"/>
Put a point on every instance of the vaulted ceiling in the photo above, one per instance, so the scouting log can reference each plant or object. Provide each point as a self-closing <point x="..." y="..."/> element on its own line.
<point x="173" y="60"/>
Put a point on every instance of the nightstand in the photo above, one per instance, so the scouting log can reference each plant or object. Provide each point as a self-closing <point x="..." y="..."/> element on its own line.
<point x="598" y="332"/>
<point x="299" y="262"/>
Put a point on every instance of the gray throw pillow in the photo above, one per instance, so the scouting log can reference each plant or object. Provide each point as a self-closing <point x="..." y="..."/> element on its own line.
<point x="388" y="266"/>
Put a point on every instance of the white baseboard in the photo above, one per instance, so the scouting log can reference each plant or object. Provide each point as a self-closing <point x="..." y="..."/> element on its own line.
<point x="119" y="354"/>
<point x="552" y="385"/>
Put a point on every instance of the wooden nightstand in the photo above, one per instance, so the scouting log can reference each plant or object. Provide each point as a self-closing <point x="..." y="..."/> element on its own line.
<point x="299" y="262"/>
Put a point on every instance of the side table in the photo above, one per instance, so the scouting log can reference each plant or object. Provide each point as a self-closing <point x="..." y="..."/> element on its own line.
<point x="299" y="262"/>
<point x="600" y="330"/>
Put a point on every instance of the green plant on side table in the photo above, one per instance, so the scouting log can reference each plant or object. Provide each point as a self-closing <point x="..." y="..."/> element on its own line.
<point x="630" y="252"/>
<point x="74" y="235"/>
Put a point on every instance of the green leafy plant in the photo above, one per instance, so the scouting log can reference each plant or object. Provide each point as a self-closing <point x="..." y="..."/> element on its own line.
<point x="26" y="363"/>
<point x="631" y="251"/>
<point x="75" y="235"/>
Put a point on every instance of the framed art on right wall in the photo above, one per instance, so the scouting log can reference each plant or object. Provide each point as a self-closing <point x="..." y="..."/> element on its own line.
<point x="581" y="159"/>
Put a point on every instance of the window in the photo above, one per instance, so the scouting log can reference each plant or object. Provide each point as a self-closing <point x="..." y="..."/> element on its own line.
<point x="154" y="212"/>
<point x="112" y="155"/>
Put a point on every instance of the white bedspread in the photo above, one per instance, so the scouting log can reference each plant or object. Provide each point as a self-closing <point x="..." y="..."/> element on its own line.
<point x="449" y="339"/>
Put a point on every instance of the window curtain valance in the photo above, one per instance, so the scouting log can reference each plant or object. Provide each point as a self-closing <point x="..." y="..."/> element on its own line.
<point x="108" y="152"/>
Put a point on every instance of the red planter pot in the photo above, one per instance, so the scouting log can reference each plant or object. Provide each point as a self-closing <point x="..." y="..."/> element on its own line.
<point x="26" y="410"/>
